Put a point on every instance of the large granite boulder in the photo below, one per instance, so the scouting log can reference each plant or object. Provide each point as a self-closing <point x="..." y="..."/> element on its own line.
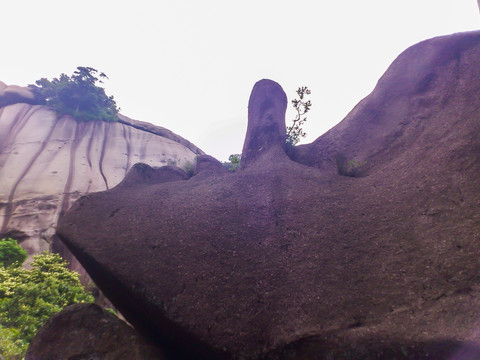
<point x="87" y="332"/>
<point x="47" y="162"/>
<point x="292" y="259"/>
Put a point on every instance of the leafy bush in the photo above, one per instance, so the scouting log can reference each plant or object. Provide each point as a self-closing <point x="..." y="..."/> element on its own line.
<point x="11" y="254"/>
<point x="12" y="347"/>
<point x="28" y="298"/>
<point x="189" y="167"/>
<point x="233" y="162"/>
<point x="78" y="95"/>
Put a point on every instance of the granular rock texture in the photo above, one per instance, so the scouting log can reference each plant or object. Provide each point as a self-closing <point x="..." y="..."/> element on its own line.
<point x="266" y="120"/>
<point x="293" y="259"/>
<point x="87" y="332"/>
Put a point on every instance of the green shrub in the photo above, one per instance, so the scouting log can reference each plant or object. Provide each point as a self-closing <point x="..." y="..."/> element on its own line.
<point x="12" y="347"/>
<point x="189" y="167"/>
<point x="11" y="254"/>
<point x="28" y="298"/>
<point x="233" y="162"/>
<point x="78" y="95"/>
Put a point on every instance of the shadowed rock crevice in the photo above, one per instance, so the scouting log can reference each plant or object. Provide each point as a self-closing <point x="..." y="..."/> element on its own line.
<point x="137" y="302"/>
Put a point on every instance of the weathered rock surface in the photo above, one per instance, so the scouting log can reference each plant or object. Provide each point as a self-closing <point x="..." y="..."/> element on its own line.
<point x="290" y="260"/>
<point x="12" y="94"/>
<point x="87" y="332"/>
<point x="47" y="162"/>
<point x="266" y="121"/>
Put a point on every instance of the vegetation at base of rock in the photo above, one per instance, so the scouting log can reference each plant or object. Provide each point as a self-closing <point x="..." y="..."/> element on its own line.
<point x="78" y="95"/>
<point x="189" y="167"/>
<point x="11" y="254"/>
<point x="233" y="162"/>
<point x="350" y="168"/>
<point x="295" y="131"/>
<point x="29" y="297"/>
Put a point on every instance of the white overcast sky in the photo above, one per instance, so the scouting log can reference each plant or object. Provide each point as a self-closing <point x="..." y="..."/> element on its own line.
<point x="189" y="65"/>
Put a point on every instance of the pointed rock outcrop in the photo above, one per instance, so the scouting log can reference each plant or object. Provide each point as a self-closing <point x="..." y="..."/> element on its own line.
<point x="266" y="121"/>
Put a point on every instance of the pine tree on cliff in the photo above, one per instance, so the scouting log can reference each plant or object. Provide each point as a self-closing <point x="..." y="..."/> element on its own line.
<point x="78" y="95"/>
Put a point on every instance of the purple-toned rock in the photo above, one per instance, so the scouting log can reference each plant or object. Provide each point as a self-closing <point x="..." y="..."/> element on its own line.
<point x="13" y="94"/>
<point x="141" y="173"/>
<point x="266" y="120"/>
<point x="85" y="332"/>
<point x="282" y="260"/>
<point x="207" y="165"/>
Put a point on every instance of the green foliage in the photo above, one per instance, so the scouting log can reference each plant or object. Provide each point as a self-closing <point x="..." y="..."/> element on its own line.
<point x="189" y="167"/>
<point x="11" y="254"/>
<point x="350" y="168"/>
<point x="78" y="95"/>
<point x="12" y="347"/>
<point x="233" y="162"/>
<point x="111" y="311"/>
<point x="28" y="298"/>
<point x="301" y="106"/>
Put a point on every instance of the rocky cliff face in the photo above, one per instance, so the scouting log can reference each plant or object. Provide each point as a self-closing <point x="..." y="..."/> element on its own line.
<point x="293" y="260"/>
<point x="47" y="162"/>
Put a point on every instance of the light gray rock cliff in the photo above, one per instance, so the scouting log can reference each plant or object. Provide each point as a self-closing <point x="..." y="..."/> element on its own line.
<point x="47" y="162"/>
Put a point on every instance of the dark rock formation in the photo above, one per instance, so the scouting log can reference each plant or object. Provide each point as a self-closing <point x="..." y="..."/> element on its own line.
<point x="144" y="174"/>
<point x="266" y="120"/>
<point x="290" y="260"/>
<point x="86" y="332"/>
<point x="207" y="166"/>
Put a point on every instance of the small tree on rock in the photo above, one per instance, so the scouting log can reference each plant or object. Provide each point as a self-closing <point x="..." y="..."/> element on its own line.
<point x="233" y="162"/>
<point x="78" y="95"/>
<point x="301" y="106"/>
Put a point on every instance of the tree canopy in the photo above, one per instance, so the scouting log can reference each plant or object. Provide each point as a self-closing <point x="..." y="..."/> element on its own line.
<point x="11" y="254"/>
<point x="29" y="297"/>
<point x="233" y="162"/>
<point x="78" y="95"/>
